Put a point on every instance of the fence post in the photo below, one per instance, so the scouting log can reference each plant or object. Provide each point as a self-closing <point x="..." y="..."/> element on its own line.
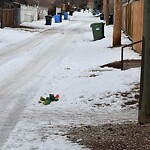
<point x="2" y="25"/>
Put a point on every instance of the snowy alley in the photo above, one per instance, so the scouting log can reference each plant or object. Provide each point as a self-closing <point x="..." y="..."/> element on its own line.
<point x="60" y="59"/>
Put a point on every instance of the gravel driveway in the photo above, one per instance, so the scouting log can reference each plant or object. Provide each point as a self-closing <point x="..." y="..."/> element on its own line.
<point x="112" y="136"/>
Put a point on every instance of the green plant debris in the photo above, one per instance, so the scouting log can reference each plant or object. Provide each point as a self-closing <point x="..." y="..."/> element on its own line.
<point x="48" y="100"/>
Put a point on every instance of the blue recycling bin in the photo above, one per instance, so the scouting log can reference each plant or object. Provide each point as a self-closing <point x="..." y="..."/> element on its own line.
<point x="60" y="16"/>
<point x="57" y="18"/>
<point x="65" y="16"/>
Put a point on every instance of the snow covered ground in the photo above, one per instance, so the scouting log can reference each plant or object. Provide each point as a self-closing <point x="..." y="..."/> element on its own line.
<point x="88" y="93"/>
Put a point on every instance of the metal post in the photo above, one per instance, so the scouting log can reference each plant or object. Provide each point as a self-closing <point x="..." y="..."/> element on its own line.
<point x="125" y="47"/>
<point x="121" y="58"/>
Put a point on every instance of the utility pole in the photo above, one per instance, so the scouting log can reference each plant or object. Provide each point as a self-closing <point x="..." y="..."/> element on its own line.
<point x="117" y="23"/>
<point x="144" y="104"/>
<point x="38" y="9"/>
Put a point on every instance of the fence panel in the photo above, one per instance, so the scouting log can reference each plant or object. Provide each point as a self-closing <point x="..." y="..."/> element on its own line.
<point x="29" y="13"/>
<point x="124" y="18"/>
<point x="127" y="19"/>
<point x="17" y="17"/>
<point x="138" y="12"/>
<point x="13" y="17"/>
<point x="8" y="19"/>
<point x="132" y="22"/>
<point x="42" y="12"/>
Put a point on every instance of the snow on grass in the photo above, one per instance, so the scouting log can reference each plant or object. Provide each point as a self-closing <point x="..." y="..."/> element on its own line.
<point x="10" y="36"/>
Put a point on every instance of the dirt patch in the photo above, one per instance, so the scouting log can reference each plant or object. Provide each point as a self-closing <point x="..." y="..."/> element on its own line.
<point x="130" y="99"/>
<point x="127" y="64"/>
<point x="125" y="136"/>
<point x="22" y="26"/>
<point x="27" y="28"/>
<point x="112" y="136"/>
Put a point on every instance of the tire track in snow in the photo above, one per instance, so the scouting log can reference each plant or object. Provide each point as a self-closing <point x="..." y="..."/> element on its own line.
<point x="17" y="89"/>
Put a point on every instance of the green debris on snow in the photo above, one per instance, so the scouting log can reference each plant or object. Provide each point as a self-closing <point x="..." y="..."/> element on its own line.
<point x="48" y="100"/>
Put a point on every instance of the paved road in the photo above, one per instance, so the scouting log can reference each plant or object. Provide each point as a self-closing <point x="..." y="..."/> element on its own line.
<point x="22" y="69"/>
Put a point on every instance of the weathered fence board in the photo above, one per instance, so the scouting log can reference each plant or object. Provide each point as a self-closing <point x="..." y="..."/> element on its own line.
<point x="127" y="19"/>
<point x="132" y="22"/>
<point x="10" y="17"/>
<point x="138" y="8"/>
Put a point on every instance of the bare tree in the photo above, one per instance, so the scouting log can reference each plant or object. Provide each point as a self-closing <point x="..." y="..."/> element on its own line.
<point x="117" y="23"/>
<point x="43" y="3"/>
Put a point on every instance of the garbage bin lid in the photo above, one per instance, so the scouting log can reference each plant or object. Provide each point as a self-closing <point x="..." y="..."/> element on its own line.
<point x="48" y="16"/>
<point x="95" y="24"/>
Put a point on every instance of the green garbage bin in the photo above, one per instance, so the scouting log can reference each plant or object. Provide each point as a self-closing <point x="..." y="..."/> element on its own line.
<point x="98" y="30"/>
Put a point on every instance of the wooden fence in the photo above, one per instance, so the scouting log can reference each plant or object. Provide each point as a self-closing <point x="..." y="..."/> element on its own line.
<point x="10" y="17"/>
<point x="132" y="22"/>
